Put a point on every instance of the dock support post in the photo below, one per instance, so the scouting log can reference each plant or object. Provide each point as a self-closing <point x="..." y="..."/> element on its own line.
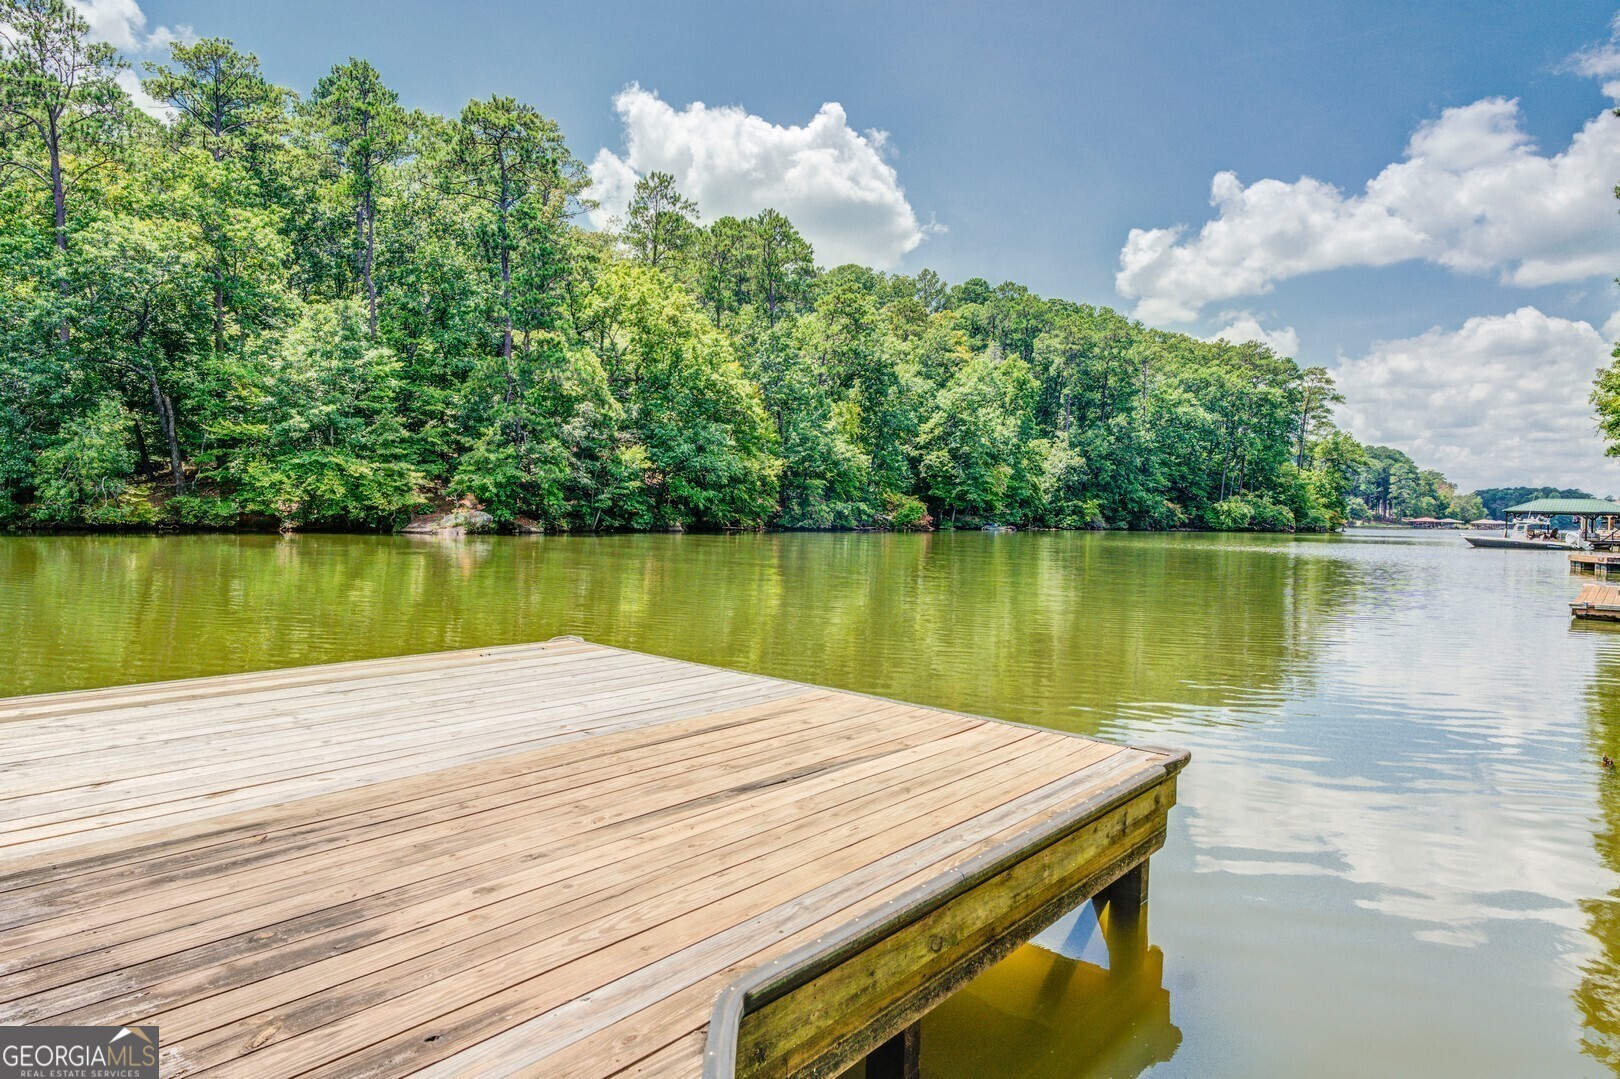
<point x="898" y="1058"/>
<point x="1126" y="897"/>
<point x="1120" y="908"/>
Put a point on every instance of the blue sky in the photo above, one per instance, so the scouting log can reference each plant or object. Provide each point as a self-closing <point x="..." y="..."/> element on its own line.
<point x="1026" y="142"/>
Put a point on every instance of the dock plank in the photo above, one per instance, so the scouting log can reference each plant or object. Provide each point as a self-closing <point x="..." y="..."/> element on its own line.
<point x="643" y="755"/>
<point x="589" y="1036"/>
<point x="1597" y="601"/>
<point x="546" y="956"/>
<point x="198" y="895"/>
<point x="538" y="859"/>
<point x="652" y="857"/>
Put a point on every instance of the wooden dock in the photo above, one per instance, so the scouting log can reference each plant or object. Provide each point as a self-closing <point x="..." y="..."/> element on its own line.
<point x="1601" y="563"/>
<point x="1597" y="601"/>
<point x="558" y="859"/>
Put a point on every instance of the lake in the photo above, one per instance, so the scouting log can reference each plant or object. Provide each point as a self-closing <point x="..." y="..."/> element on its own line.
<point x="1395" y="853"/>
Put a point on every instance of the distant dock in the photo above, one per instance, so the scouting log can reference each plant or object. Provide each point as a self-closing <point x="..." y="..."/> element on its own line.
<point x="558" y="859"/>
<point x="1601" y="563"/>
<point x="1597" y="601"/>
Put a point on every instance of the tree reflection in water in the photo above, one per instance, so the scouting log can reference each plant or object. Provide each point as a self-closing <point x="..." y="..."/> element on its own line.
<point x="1395" y="820"/>
<point x="1598" y="995"/>
<point x="1086" y="998"/>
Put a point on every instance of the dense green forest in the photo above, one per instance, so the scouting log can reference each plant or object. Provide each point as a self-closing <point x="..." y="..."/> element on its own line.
<point x="329" y="310"/>
<point x="1496" y="500"/>
<point x="1390" y="486"/>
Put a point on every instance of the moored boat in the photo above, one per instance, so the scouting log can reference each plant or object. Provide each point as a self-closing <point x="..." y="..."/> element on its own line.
<point x="1530" y="534"/>
<point x="1530" y="526"/>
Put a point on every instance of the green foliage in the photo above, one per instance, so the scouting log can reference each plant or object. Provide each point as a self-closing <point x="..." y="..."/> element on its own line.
<point x="336" y="312"/>
<point x="975" y="450"/>
<point x="1268" y="516"/>
<point x="1250" y="512"/>
<point x="319" y="441"/>
<point x="1496" y="500"/>
<point x="824" y="478"/>
<point x="1064" y="490"/>
<point x="1335" y="462"/>
<point x="1469" y="507"/>
<point x="662" y="222"/>
<point x="82" y="474"/>
<point x="202" y="511"/>
<point x="363" y="128"/>
<point x="701" y="422"/>
<point x="492" y="474"/>
<point x="1606" y="401"/>
<point x="62" y="114"/>
<point x="220" y="98"/>
<point x="1393" y="487"/>
<point x="906" y="514"/>
<point x="1231" y="515"/>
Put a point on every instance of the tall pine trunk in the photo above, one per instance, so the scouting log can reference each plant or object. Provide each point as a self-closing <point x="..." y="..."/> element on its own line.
<point x="365" y="221"/>
<point x="506" y="299"/>
<point x="219" y="308"/>
<point x="59" y="206"/>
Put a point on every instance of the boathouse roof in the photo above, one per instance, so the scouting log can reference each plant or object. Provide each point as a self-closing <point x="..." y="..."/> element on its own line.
<point x="1589" y="507"/>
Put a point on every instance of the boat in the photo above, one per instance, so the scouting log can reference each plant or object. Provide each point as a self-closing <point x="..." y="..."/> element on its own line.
<point x="1529" y="526"/>
<point x="1531" y="534"/>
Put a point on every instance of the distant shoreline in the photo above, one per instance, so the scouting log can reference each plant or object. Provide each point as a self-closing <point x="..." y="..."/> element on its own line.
<point x="514" y="533"/>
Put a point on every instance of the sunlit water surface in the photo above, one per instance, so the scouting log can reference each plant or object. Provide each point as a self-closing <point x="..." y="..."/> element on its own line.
<point x="1395" y="852"/>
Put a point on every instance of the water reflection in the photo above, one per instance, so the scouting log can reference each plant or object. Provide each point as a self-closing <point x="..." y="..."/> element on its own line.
<point x="1091" y="1003"/>
<point x="1598" y="995"/>
<point x="1063" y="629"/>
<point x="1395" y="852"/>
<point x="1406" y="842"/>
<point x="1085" y="998"/>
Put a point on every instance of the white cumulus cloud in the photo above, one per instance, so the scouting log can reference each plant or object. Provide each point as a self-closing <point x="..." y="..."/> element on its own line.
<point x="144" y="101"/>
<point x="1473" y="193"/>
<point x="1243" y="326"/>
<point x="1500" y="401"/>
<point x="122" y="24"/>
<point x="830" y="180"/>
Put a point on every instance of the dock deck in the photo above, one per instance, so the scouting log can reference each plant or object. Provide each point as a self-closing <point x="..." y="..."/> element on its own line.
<point x="1599" y="601"/>
<point x="558" y="859"/>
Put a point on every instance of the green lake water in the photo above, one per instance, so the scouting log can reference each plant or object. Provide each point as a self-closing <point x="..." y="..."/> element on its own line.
<point x="1395" y="852"/>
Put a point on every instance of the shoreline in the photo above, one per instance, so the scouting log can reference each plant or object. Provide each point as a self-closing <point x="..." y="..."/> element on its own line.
<point x="516" y="533"/>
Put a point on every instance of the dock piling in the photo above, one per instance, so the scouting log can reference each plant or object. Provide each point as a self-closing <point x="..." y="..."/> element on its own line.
<point x="1122" y="914"/>
<point x="898" y="1058"/>
<point x="1128" y="895"/>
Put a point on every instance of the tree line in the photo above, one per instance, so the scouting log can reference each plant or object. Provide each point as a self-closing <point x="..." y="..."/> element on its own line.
<point x="1390" y="486"/>
<point x="1496" y="500"/>
<point x="331" y="310"/>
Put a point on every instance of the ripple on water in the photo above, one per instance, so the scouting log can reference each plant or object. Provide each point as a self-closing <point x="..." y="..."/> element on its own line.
<point x="1394" y="855"/>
